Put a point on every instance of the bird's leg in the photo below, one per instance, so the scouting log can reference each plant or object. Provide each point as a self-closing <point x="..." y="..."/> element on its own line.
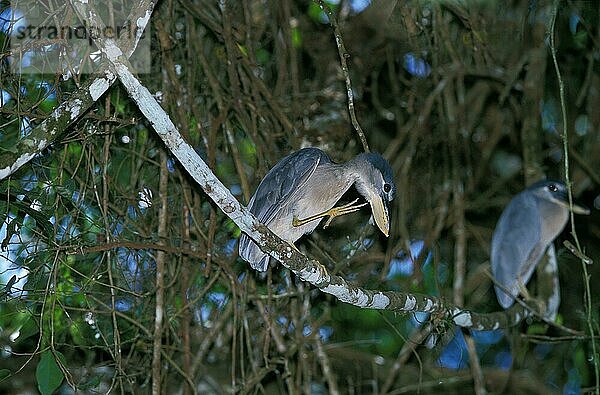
<point x="331" y="213"/>
<point x="341" y="210"/>
<point x="523" y="290"/>
<point x="541" y="307"/>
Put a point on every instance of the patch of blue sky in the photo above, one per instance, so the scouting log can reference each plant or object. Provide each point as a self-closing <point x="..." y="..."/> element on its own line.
<point x="285" y="323"/>
<point x="307" y="330"/>
<point x="66" y="229"/>
<point x="171" y="165"/>
<point x="25" y="127"/>
<point x="75" y="196"/>
<point x="574" y="20"/>
<point x="11" y="20"/>
<point x="235" y="189"/>
<point x="403" y="263"/>
<point x="241" y="277"/>
<point x="133" y="264"/>
<point x="18" y="287"/>
<point x="123" y="305"/>
<point x="401" y="267"/>
<point x="24" y="61"/>
<point x="229" y="247"/>
<point x="29" y="181"/>
<point x="325" y="333"/>
<point x="205" y="311"/>
<point x="454" y="355"/>
<point x="131" y="213"/>
<point x="358" y="6"/>
<point x="49" y="89"/>
<point x="218" y="298"/>
<point x="4" y="97"/>
<point x="323" y="18"/>
<point x="8" y="257"/>
<point x="416" y="65"/>
<point x="118" y="228"/>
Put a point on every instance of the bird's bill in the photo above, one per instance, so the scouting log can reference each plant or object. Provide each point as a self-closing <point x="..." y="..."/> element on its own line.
<point x="380" y="213"/>
<point x="578" y="208"/>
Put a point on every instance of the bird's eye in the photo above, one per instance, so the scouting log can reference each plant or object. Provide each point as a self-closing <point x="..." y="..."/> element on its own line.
<point x="552" y="188"/>
<point x="387" y="188"/>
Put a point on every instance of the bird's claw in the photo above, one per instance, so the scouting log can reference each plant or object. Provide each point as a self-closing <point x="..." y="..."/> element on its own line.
<point x="296" y="222"/>
<point x="341" y="210"/>
<point x="334" y="212"/>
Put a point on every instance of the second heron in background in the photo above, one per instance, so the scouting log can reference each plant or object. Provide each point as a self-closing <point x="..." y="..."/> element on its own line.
<point x="527" y="226"/>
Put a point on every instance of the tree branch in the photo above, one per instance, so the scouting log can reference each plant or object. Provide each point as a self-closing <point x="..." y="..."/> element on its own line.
<point x="79" y="102"/>
<point x="343" y="55"/>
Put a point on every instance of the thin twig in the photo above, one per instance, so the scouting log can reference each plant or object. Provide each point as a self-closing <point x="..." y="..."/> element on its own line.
<point x="565" y="138"/>
<point x="343" y="56"/>
<point x="160" y="267"/>
<point x="326" y="367"/>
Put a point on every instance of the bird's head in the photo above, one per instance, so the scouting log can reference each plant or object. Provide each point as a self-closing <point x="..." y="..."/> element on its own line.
<point x="556" y="192"/>
<point x="375" y="181"/>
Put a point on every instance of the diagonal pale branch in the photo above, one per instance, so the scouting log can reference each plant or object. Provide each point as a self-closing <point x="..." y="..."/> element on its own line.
<point x="308" y="270"/>
<point x="79" y="102"/>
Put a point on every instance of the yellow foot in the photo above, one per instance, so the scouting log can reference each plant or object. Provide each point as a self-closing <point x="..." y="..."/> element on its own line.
<point x="345" y="209"/>
<point x="334" y="212"/>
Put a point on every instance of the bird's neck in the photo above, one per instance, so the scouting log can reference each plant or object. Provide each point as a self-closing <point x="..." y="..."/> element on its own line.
<point x="354" y="173"/>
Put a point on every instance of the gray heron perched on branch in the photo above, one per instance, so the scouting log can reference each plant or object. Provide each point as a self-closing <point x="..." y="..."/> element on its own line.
<point x="527" y="226"/>
<point x="302" y="189"/>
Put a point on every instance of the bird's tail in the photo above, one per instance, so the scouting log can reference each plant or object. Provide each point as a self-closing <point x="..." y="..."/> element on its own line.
<point x="251" y="253"/>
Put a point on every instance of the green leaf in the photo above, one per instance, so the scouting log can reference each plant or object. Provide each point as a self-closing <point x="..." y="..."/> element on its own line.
<point x="29" y="328"/>
<point x="296" y="38"/>
<point x="4" y="374"/>
<point x="48" y="374"/>
<point x="262" y="56"/>
<point x="242" y="49"/>
<point x="316" y="14"/>
<point x="93" y="382"/>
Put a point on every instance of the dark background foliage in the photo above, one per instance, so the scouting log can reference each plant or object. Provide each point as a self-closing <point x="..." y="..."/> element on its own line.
<point x="461" y="97"/>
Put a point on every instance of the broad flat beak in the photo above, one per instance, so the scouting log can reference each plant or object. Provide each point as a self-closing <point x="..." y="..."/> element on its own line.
<point x="578" y="208"/>
<point x="380" y="213"/>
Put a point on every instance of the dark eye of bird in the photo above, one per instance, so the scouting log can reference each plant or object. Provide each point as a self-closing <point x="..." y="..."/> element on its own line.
<point x="552" y="188"/>
<point x="387" y="188"/>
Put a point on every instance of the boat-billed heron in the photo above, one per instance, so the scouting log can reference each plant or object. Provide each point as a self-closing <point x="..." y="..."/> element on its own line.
<point x="301" y="190"/>
<point x="527" y="226"/>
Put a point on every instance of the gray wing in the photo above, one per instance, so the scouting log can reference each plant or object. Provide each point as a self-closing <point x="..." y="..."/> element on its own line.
<point x="515" y="242"/>
<point x="287" y="176"/>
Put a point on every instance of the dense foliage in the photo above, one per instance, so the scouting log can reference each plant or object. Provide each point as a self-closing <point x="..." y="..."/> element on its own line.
<point x="463" y="98"/>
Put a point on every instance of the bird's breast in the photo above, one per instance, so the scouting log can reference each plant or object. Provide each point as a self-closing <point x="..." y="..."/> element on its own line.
<point x="320" y="193"/>
<point x="553" y="220"/>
